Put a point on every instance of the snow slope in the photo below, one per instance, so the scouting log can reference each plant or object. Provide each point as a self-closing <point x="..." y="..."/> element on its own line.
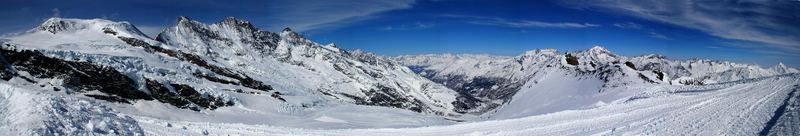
<point x="26" y="111"/>
<point x="746" y="107"/>
<point x="734" y="108"/>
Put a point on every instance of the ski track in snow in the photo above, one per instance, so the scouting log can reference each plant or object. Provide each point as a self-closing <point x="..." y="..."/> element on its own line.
<point x="740" y="109"/>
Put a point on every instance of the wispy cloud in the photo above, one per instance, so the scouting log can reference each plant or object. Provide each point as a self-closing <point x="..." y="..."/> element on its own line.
<point x="414" y="26"/>
<point x="767" y="56"/>
<point x="424" y="25"/>
<point x="658" y="35"/>
<point x="628" y="25"/>
<point x="56" y="12"/>
<point x="305" y="15"/>
<point x="769" y="22"/>
<point x="495" y="21"/>
<point x="637" y="26"/>
<point x="758" y="48"/>
<point x="273" y="15"/>
<point x="714" y="47"/>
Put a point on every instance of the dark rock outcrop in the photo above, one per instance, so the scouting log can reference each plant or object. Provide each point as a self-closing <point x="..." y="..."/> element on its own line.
<point x="117" y="87"/>
<point x="185" y="96"/>
<point x="630" y="65"/>
<point x="387" y="96"/>
<point x="572" y="60"/>
<point x="79" y="76"/>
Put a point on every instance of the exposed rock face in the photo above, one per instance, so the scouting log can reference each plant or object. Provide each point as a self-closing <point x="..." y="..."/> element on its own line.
<point x="117" y="87"/>
<point x="184" y="96"/>
<point x="56" y="26"/>
<point x="82" y="76"/>
<point x="202" y="100"/>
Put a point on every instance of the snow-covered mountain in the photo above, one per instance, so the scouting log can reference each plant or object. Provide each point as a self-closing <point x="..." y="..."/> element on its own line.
<point x="290" y="62"/>
<point x="100" y="77"/>
<point x="488" y="82"/>
<point x="225" y="69"/>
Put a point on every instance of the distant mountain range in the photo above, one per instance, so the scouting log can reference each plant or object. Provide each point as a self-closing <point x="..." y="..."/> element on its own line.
<point x="487" y="82"/>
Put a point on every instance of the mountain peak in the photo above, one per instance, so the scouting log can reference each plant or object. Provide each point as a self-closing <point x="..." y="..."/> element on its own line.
<point x="55" y="25"/>
<point x="183" y="18"/>
<point x="231" y="18"/>
<point x="232" y="21"/>
<point x="288" y="32"/>
<point x="597" y="53"/>
<point x="287" y="29"/>
<point x="598" y="48"/>
<point x="783" y="69"/>
<point x="53" y="19"/>
<point x="59" y="25"/>
<point x="654" y="56"/>
<point x="188" y="23"/>
<point x="535" y="52"/>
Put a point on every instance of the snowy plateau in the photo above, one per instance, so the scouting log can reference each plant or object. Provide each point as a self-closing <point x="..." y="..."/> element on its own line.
<point x="102" y="77"/>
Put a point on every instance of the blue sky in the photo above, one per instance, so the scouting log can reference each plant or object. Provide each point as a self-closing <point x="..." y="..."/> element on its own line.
<point x="748" y="31"/>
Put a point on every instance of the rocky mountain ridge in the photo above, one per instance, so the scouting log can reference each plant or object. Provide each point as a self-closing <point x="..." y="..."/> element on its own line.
<point x="487" y="82"/>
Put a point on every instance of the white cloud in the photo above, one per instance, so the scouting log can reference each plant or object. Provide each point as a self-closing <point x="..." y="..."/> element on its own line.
<point x="658" y="35"/>
<point x="628" y="25"/>
<point x="56" y="12"/>
<point x="414" y="26"/>
<point x="636" y="26"/>
<point x="769" y="22"/>
<point x="317" y="14"/>
<point x="388" y="28"/>
<point x="480" y="20"/>
<point x="421" y="25"/>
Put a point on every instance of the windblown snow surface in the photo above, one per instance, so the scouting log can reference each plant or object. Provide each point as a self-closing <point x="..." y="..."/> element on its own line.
<point x="748" y="107"/>
<point x="319" y="89"/>
<point x="28" y="112"/>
